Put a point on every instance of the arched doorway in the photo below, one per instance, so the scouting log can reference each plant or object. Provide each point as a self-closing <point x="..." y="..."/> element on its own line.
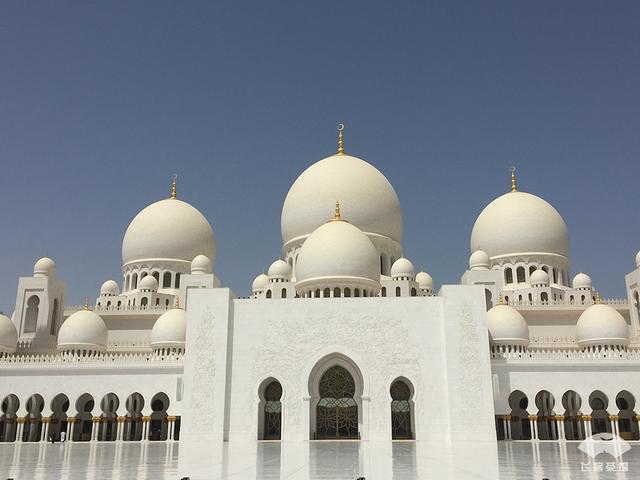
<point x="58" y="420"/>
<point x="573" y="427"/>
<point x="337" y="410"/>
<point x="520" y="426"/>
<point x="546" y="423"/>
<point x="628" y="426"/>
<point x="270" y="411"/>
<point x="401" y="417"/>
<point x="108" y="430"/>
<point x="33" y="421"/>
<point x="83" y="426"/>
<point x="158" y="426"/>
<point x="133" y="421"/>
<point x="600" y="422"/>
<point x="8" y="425"/>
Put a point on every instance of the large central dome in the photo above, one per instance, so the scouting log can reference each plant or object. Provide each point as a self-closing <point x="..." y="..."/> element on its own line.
<point x="369" y="200"/>
<point x="169" y="229"/>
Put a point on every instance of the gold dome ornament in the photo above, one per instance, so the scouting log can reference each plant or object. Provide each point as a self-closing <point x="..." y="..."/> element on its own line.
<point x="340" y="139"/>
<point x="514" y="188"/>
<point x="173" y="187"/>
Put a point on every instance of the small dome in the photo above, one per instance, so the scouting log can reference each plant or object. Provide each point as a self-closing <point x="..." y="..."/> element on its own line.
<point x="638" y="259"/>
<point x="601" y="325"/>
<point x="148" y="283"/>
<point x="280" y="270"/>
<point x="479" y="260"/>
<point x="201" y="264"/>
<point x="45" y="267"/>
<point x="338" y="254"/>
<point x="534" y="227"/>
<point x="582" y="281"/>
<point x="84" y="330"/>
<point x="425" y="282"/>
<point x="8" y="335"/>
<point x="168" y="230"/>
<point x="170" y="330"/>
<point x="260" y="283"/>
<point x="403" y="268"/>
<point x="109" y="289"/>
<point x="539" y="278"/>
<point x="507" y="326"/>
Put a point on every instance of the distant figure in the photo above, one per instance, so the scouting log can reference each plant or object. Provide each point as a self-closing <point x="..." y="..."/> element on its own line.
<point x="63" y="435"/>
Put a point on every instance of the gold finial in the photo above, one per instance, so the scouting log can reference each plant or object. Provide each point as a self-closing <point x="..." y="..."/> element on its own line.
<point x="501" y="300"/>
<point x="177" y="301"/>
<point x="513" y="180"/>
<point x="598" y="301"/>
<point x="173" y="186"/>
<point x="337" y="214"/>
<point x="86" y="303"/>
<point x="340" y="140"/>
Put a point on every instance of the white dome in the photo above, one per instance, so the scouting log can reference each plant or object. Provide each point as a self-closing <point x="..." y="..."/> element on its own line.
<point x="425" y="282"/>
<point x="403" y="268"/>
<point x="479" y="260"/>
<point x="279" y="270"/>
<point x="84" y="330"/>
<point x="260" y="283"/>
<point x="539" y="277"/>
<point x="582" y="280"/>
<point x="507" y="326"/>
<point x="109" y="289"/>
<point x="338" y="253"/>
<point x="8" y="335"/>
<point x="148" y="283"/>
<point x="168" y="230"/>
<point x="201" y="264"/>
<point x="520" y="223"/>
<point x="638" y="259"/>
<point x="45" y="267"/>
<point x="370" y="202"/>
<point x="170" y="330"/>
<point x="601" y="325"/>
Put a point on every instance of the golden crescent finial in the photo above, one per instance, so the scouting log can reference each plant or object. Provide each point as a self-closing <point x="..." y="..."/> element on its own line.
<point x="86" y="303"/>
<point x="177" y="301"/>
<point x="514" y="188"/>
<point x="173" y="186"/>
<point x="598" y="301"/>
<point x="337" y="214"/>
<point x="340" y="139"/>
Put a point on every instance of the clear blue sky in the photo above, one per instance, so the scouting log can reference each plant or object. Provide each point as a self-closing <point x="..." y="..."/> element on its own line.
<point x="101" y="102"/>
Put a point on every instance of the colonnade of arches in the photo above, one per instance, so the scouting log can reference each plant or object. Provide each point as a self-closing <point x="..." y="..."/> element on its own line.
<point x="571" y="420"/>
<point x="111" y="422"/>
<point x="165" y="279"/>
<point x="521" y="274"/>
<point x="336" y="406"/>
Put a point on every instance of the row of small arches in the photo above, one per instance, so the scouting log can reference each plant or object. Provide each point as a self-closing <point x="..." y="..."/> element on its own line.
<point x="169" y="279"/>
<point x="560" y="277"/>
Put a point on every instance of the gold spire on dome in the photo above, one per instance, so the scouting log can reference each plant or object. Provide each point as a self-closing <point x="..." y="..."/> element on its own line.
<point x="173" y="187"/>
<point x="337" y="214"/>
<point x="597" y="301"/>
<point x="177" y="305"/>
<point x="501" y="300"/>
<point x="340" y="139"/>
<point x="514" y="188"/>
<point x="86" y="303"/>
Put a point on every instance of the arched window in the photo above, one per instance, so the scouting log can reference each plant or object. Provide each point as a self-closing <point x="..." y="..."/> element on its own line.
<point x="54" y="318"/>
<point x="31" y="317"/>
<point x="166" y="280"/>
<point x="520" y="274"/>
<point x="555" y="275"/>
<point x="636" y="298"/>
<point x="488" y="298"/>
<point x="337" y="410"/>
<point x="284" y="293"/>
<point x="326" y="293"/>
<point x="317" y="293"/>
<point x="544" y="296"/>
<point x="347" y="292"/>
<point x="177" y="280"/>
<point x="126" y="282"/>
<point x="508" y="275"/>
<point x="530" y="298"/>
<point x="271" y="410"/>
<point x="108" y="304"/>
<point x="383" y="292"/>
<point x="336" y="292"/>
<point x="398" y="291"/>
<point x="157" y="302"/>
<point x="144" y="302"/>
<point x="532" y="269"/>
<point x="166" y="303"/>
<point x="134" y="281"/>
<point x="156" y="275"/>
<point x="413" y="292"/>
<point x="401" y="426"/>
<point x="269" y="293"/>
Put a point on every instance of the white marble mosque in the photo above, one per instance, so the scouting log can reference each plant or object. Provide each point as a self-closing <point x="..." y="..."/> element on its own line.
<point x="340" y="347"/>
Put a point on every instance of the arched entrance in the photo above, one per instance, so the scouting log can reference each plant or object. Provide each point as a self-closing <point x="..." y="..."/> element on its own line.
<point x="8" y="425"/>
<point x="84" y="420"/>
<point x="33" y="420"/>
<point x="520" y="426"/>
<point x="627" y="423"/>
<point x="58" y="420"/>
<point x="133" y="421"/>
<point x="108" y="429"/>
<point x="546" y="423"/>
<point x="270" y="410"/>
<point x="573" y="426"/>
<point x="337" y="410"/>
<point x="401" y="417"/>
<point x="600" y="422"/>
<point x="158" y="426"/>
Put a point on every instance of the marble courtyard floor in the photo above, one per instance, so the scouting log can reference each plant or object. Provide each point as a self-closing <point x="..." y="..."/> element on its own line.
<point x="313" y="460"/>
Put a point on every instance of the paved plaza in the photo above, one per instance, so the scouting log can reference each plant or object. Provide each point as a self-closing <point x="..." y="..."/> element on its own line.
<point x="315" y="460"/>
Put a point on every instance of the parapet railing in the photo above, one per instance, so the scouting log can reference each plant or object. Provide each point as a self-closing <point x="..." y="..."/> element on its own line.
<point x="575" y="353"/>
<point x="93" y="358"/>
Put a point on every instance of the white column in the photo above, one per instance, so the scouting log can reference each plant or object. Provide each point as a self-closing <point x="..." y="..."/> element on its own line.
<point x="120" y="427"/>
<point x="170" y="427"/>
<point x="94" y="430"/>
<point x="615" y="422"/>
<point x="505" y="423"/>
<point x="19" y="430"/>
<point x="45" y="431"/>
<point x="532" y="427"/>
<point x="561" y="433"/>
<point x="144" y="429"/>
<point x="587" y="425"/>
